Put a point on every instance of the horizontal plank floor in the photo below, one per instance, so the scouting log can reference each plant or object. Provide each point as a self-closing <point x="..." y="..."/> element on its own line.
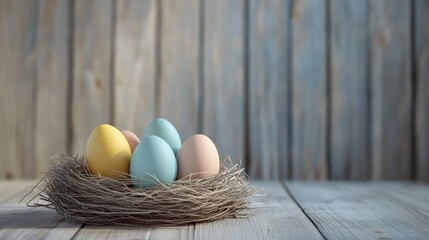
<point x="290" y="210"/>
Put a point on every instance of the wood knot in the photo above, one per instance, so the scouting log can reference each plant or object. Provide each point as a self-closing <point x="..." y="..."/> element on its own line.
<point x="98" y="83"/>
<point x="381" y="38"/>
<point x="8" y="175"/>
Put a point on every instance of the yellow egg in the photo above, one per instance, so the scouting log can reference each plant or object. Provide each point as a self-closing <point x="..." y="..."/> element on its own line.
<point x="107" y="150"/>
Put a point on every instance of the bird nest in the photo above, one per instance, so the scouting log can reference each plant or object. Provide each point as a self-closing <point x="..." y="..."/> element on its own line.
<point x="70" y="189"/>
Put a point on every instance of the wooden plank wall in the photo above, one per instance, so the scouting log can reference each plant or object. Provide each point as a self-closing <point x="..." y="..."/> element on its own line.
<point x="291" y="89"/>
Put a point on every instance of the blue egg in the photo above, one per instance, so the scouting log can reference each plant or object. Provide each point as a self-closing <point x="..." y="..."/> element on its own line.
<point x="165" y="130"/>
<point x="153" y="157"/>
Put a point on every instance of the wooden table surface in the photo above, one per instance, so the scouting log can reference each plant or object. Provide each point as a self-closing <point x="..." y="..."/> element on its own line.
<point x="290" y="210"/>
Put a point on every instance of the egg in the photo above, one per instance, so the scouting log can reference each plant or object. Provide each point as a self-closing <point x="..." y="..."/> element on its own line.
<point x="198" y="158"/>
<point x="107" y="150"/>
<point x="153" y="157"/>
<point x="132" y="139"/>
<point x="165" y="130"/>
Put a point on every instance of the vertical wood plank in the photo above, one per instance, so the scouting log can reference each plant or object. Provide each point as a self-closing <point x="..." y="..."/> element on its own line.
<point x="91" y="69"/>
<point x="391" y="89"/>
<point x="422" y="74"/>
<point x="269" y="66"/>
<point x="223" y="76"/>
<point x="350" y="133"/>
<point x="179" y="80"/>
<point x="18" y="36"/>
<point x="134" y="66"/>
<point x="52" y="69"/>
<point x="309" y="101"/>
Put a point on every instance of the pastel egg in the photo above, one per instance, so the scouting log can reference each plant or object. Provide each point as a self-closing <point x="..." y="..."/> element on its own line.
<point x="153" y="157"/>
<point x="132" y="139"/>
<point x="165" y="130"/>
<point x="107" y="150"/>
<point x="198" y="158"/>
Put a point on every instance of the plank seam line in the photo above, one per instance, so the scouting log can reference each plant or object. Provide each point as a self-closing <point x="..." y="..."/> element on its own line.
<point x="75" y="234"/>
<point x="112" y="62"/>
<point x="369" y="141"/>
<point x="246" y="67"/>
<point x="413" y="100"/>
<point x="289" y="92"/>
<point x="70" y="76"/>
<point x="201" y="86"/>
<point x="285" y="187"/>
<point x="328" y="57"/>
<point x="194" y="232"/>
<point x="158" y="66"/>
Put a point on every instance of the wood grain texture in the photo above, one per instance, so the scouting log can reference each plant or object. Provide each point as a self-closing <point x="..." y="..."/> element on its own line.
<point x="18" y="40"/>
<point x="117" y="232"/>
<point x="52" y="69"/>
<point x="18" y="221"/>
<point x="9" y="189"/>
<point x="9" y="167"/>
<point x="179" y="76"/>
<point x="350" y="129"/>
<point x="415" y="196"/>
<point x="275" y="216"/>
<point x="223" y="77"/>
<point x="358" y="211"/>
<point x="422" y="80"/>
<point x="91" y="69"/>
<point x="134" y="64"/>
<point x="269" y="36"/>
<point x="309" y="93"/>
<point x="391" y="89"/>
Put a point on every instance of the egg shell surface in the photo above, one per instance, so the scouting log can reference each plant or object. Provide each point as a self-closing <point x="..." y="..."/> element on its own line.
<point x="165" y="130"/>
<point x="153" y="156"/>
<point x="132" y="139"/>
<point x="198" y="158"/>
<point x="107" y="150"/>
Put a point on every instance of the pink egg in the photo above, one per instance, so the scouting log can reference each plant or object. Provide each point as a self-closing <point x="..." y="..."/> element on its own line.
<point x="198" y="158"/>
<point x="132" y="139"/>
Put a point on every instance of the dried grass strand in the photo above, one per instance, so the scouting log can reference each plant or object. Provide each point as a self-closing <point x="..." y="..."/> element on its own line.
<point x="70" y="189"/>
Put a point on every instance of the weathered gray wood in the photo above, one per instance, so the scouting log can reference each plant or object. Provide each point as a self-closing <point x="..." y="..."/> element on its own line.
<point x="179" y="76"/>
<point x="413" y="195"/>
<point x="91" y="69"/>
<point x="21" y="223"/>
<point x="275" y="216"/>
<point x="99" y="232"/>
<point x="134" y="64"/>
<point x="52" y="69"/>
<point x="269" y="37"/>
<point x="8" y="189"/>
<point x="18" y="221"/>
<point x="223" y="77"/>
<point x="17" y="88"/>
<point x="350" y="130"/>
<point x="391" y="88"/>
<point x="309" y="100"/>
<point x="358" y="211"/>
<point x="339" y="210"/>
<point x="422" y="80"/>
